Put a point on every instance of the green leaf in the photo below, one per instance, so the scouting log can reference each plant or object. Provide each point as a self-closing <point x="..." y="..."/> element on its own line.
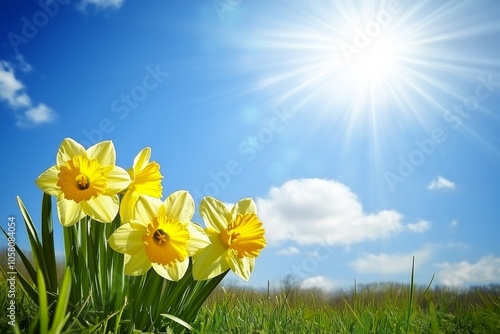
<point x="60" y="317"/>
<point x="178" y="320"/>
<point x="48" y="243"/>
<point x="43" y="311"/>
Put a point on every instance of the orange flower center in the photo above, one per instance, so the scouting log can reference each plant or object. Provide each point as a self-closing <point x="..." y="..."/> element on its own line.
<point x="244" y="236"/>
<point x="166" y="241"/>
<point x="80" y="179"/>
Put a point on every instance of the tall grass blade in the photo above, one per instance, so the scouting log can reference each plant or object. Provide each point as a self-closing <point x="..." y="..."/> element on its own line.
<point x="410" y="298"/>
<point x="48" y="251"/>
<point x="60" y="316"/>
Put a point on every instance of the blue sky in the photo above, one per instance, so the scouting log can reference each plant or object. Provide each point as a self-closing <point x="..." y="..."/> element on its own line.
<point x="366" y="131"/>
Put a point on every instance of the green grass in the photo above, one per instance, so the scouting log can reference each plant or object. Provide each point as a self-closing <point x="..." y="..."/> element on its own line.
<point x="377" y="308"/>
<point x="374" y="308"/>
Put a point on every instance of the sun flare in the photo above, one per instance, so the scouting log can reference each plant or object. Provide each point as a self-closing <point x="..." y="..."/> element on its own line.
<point x="375" y="64"/>
<point x="379" y="64"/>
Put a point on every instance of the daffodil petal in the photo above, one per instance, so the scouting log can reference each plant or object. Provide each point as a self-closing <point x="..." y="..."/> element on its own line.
<point x="68" y="149"/>
<point x="198" y="239"/>
<point x="47" y="181"/>
<point x="210" y="261"/>
<point x="127" y="206"/>
<point x="173" y="273"/>
<point x="137" y="264"/>
<point x="69" y="211"/>
<point x="241" y="266"/>
<point x="127" y="239"/>
<point x="104" y="152"/>
<point x="214" y="213"/>
<point x="146" y="209"/>
<point x="102" y="208"/>
<point x="116" y="180"/>
<point x="142" y="159"/>
<point x="179" y="206"/>
<point x="243" y="207"/>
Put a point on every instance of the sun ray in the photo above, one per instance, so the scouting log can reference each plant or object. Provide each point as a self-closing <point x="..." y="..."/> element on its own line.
<point x="419" y="58"/>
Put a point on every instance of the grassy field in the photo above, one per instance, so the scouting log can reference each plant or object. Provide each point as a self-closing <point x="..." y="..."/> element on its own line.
<point x="374" y="308"/>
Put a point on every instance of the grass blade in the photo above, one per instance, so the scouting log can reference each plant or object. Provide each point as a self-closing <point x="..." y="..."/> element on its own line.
<point x="48" y="243"/>
<point x="60" y="317"/>
<point x="178" y="320"/>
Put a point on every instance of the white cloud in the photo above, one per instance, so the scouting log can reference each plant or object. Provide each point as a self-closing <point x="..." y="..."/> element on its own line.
<point x="390" y="263"/>
<point x="101" y="4"/>
<point x="36" y="115"/>
<point x="318" y="282"/>
<point x="454" y="223"/>
<point x="318" y="211"/>
<point x="12" y="92"/>
<point x="440" y="183"/>
<point x="11" y="89"/>
<point x="288" y="251"/>
<point x="419" y="227"/>
<point x="486" y="270"/>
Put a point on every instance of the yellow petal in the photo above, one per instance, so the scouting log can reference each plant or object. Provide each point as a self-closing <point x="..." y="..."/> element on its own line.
<point x="241" y="266"/>
<point x="198" y="239"/>
<point x="146" y="209"/>
<point x="68" y="149"/>
<point x="127" y="206"/>
<point x="214" y="213"/>
<point x="210" y="261"/>
<point x="137" y="264"/>
<point x="117" y="180"/>
<point x="142" y="159"/>
<point x="102" y="208"/>
<point x="69" y="211"/>
<point x="127" y="239"/>
<point x="104" y="152"/>
<point x="47" y="181"/>
<point x="173" y="273"/>
<point x="179" y="206"/>
<point x="243" y="207"/>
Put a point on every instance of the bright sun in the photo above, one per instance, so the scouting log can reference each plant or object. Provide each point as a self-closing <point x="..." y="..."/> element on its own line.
<point x="368" y="63"/>
<point x="376" y="63"/>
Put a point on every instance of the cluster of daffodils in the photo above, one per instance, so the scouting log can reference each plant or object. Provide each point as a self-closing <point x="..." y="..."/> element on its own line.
<point x="153" y="233"/>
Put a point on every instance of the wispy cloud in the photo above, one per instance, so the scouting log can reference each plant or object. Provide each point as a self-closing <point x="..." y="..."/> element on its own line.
<point x="12" y="91"/>
<point x="419" y="227"/>
<point x="38" y="115"/>
<point x="441" y="183"/>
<point x="101" y="4"/>
<point x="22" y="64"/>
<point x="318" y="282"/>
<point x="318" y="211"/>
<point x="454" y="223"/>
<point x="486" y="270"/>
<point x="390" y="263"/>
<point x="288" y="251"/>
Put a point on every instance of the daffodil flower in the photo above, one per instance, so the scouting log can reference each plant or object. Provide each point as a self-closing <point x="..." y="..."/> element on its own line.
<point x="85" y="182"/>
<point x="236" y="236"/>
<point x="146" y="180"/>
<point x="160" y="235"/>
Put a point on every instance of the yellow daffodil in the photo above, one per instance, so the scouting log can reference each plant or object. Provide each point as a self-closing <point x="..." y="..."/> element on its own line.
<point x="160" y="235"/>
<point x="146" y="180"/>
<point x="85" y="182"/>
<point x="236" y="236"/>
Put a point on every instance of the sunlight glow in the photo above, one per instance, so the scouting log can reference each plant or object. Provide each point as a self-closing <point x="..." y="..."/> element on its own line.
<point x="376" y="62"/>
